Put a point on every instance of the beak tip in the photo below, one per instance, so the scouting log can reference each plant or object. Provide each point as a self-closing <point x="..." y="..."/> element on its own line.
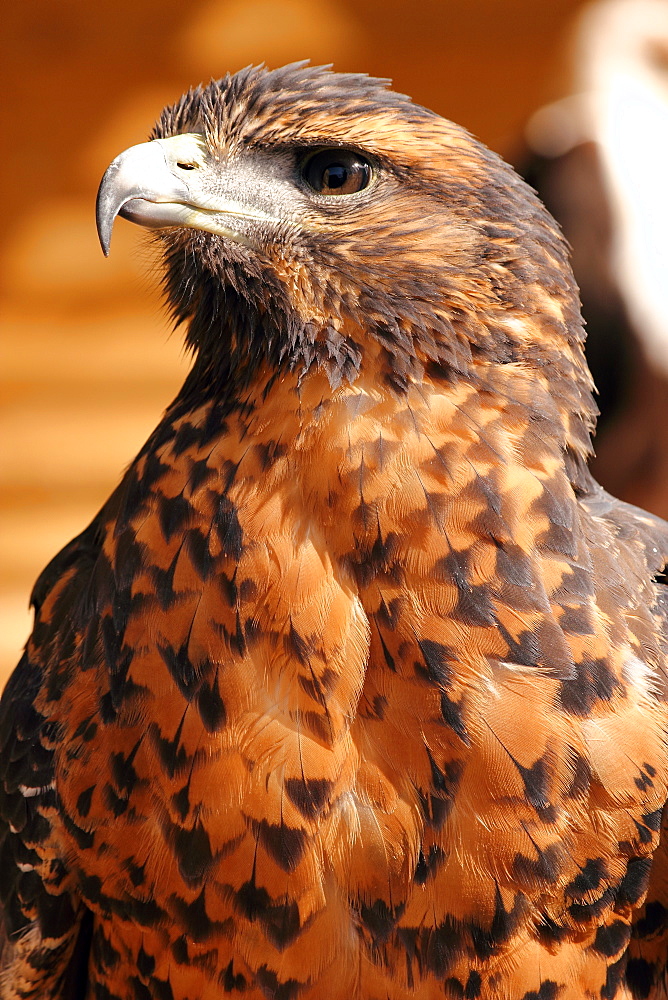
<point x="107" y="206"/>
<point x="104" y="236"/>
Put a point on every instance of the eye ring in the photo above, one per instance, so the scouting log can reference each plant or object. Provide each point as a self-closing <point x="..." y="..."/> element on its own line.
<point x="335" y="171"/>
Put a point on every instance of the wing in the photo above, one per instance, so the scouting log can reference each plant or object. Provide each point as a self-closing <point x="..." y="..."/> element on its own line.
<point x="45" y="930"/>
<point x="647" y="960"/>
<point x="647" y="967"/>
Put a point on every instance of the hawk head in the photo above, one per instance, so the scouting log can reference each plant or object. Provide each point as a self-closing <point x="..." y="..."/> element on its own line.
<point x="316" y="220"/>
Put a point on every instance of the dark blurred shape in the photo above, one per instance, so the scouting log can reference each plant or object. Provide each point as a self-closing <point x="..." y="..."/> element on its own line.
<point x="599" y="160"/>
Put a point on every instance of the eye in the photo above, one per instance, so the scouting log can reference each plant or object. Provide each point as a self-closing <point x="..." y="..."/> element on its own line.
<point x="337" y="171"/>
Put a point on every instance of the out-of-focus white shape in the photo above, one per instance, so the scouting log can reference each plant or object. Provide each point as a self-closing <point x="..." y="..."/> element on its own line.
<point x="556" y="128"/>
<point x="620" y="102"/>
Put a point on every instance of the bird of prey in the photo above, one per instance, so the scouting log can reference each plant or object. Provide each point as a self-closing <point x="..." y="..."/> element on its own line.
<point x="355" y="688"/>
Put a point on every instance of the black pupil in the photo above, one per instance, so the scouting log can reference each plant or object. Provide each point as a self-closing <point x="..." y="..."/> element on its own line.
<point x="335" y="176"/>
<point x="336" y="171"/>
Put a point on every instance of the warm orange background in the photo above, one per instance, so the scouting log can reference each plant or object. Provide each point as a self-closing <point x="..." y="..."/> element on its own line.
<point x="87" y="360"/>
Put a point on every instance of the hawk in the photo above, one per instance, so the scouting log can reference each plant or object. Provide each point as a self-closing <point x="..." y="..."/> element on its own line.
<point x="355" y="688"/>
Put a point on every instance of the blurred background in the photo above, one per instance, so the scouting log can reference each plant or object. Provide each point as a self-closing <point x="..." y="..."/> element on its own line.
<point x="574" y="94"/>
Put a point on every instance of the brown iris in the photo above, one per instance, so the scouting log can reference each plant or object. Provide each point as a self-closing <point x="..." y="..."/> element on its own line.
<point x="337" y="171"/>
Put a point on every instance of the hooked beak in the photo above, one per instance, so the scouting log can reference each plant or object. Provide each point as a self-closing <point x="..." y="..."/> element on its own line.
<point x="143" y="185"/>
<point x="161" y="184"/>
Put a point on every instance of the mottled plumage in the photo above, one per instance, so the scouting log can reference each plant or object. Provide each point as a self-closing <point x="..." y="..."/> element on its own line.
<point x="355" y="688"/>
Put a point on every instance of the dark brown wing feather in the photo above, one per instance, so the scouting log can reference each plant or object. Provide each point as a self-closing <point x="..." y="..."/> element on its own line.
<point x="44" y="948"/>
